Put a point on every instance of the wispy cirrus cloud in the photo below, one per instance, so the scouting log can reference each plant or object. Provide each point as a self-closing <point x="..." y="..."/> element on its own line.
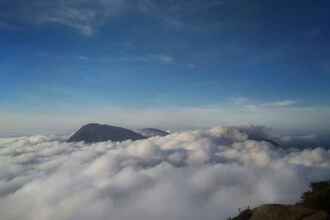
<point x="283" y="103"/>
<point x="161" y="58"/>
<point x="84" y="16"/>
<point x="174" y="14"/>
<point x="164" y="58"/>
<point x="271" y="105"/>
<point x="87" y="16"/>
<point x="254" y="104"/>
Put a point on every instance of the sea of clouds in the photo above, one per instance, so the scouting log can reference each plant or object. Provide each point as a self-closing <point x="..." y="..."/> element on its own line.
<point x="205" y="174"/>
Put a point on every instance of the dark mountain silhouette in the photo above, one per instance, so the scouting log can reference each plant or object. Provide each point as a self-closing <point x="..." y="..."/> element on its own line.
<point x="92" y="133"/>
<point x="152" y="132"/>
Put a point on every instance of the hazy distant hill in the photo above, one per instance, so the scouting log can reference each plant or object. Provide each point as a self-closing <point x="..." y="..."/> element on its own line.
<point x="91" y="133"/>
<point x="152" y="132"/>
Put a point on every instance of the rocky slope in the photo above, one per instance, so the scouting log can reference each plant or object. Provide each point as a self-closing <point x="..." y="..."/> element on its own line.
<point x="315" y="205"/>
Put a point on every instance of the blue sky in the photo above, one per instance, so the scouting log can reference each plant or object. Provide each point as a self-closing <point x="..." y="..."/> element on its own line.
<point x="170" y="64"/>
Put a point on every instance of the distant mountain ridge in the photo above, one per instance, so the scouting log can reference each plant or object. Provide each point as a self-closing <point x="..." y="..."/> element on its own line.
<point x="94" y="132"/>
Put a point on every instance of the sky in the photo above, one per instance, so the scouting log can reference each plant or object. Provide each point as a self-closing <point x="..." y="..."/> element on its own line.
<point x="164" y="63"/>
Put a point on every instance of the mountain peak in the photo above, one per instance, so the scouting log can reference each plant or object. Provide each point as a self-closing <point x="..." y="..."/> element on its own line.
<point x="94" y="132"/>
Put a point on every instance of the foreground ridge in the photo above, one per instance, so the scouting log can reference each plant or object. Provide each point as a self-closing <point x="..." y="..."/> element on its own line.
<point x="315" y="205"/>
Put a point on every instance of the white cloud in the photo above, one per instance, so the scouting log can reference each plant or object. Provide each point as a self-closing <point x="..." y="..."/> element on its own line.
<point x="205" y="174"/>
<point x="143" y="58"/>
<point x="164" y="58"/>
<point x="239" y="100"/>
<point x="254" y="105"/>
<point x="283" y="103"/>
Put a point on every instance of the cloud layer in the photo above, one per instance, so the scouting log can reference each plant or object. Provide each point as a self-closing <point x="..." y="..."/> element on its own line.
<point x="206" y="174"/>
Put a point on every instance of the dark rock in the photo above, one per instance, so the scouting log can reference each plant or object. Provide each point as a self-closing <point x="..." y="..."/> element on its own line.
<point x="244" y="215"/>
<point x="318" y="197"/>
<point x="92" y="133"/>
